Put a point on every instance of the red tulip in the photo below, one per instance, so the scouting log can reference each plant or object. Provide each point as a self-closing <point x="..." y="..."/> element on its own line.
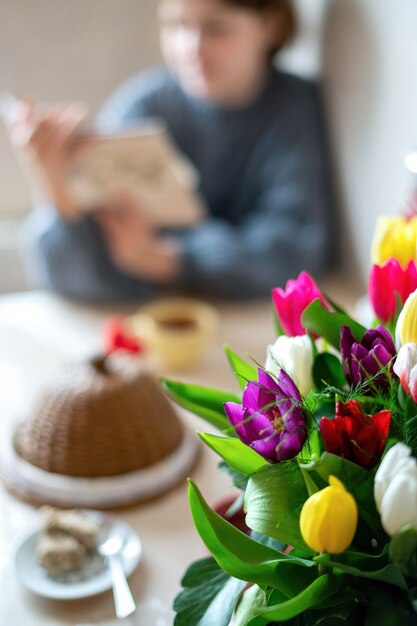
<point x="354" y="435"/>
<point x="291" y="303"/>
<point x="389" y="279"/>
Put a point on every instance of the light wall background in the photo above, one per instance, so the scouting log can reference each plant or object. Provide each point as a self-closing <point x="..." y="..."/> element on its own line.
<point x="81" y="49"/>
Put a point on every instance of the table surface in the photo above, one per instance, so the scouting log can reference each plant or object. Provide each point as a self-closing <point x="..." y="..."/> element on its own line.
<point x="40" y="332"/>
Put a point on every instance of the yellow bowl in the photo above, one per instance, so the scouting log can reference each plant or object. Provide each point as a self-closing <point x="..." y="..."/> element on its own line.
<point x="176" y="330"/>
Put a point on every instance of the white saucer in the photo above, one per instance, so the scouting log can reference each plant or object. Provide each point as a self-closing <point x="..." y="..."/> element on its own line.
<point x="36" y="579"/>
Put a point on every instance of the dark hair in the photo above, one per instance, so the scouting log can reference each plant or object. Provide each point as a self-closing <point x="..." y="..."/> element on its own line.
<point x="283" y="7"/>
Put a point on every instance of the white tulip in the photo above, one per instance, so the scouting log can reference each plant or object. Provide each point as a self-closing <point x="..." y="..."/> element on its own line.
<point x="399" y="504"/>
<point x="387" y="469"/>
<point x="295" y="356"/>
<point x="395" y="489"/>
<point x="405" y="367"/>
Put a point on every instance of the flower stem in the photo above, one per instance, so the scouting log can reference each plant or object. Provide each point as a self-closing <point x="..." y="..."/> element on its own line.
<point x="323" y="569"/>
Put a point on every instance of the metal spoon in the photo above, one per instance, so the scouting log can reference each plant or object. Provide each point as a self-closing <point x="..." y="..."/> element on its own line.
<point x="110" y="549"/>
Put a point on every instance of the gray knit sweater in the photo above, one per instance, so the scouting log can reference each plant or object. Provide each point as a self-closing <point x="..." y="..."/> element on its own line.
<point x="264" y="176"/>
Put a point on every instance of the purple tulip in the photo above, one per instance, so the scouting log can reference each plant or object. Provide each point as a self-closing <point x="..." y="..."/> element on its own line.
<point x="364" y="359"/>
<point x="270" y="419"/>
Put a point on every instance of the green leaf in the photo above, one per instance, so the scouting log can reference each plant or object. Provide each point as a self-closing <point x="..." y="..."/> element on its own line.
<point x="312" y="447"/>
<point x="241" y="369"/>
<point x="403" y="547"/>
<point x="209" y="596"/>
<point x="386" y="608"/>
<point x="202" y="401"/>
<point x="312" y="488"/>
<point x="361" y="565"/>
<point x="327" y="324"/>
<point x="319" y="590"/>
<point x="242" y="557"/>
<point x="253" y="599"/>
<point x="274" y="498"/>
<point x="273" y="543"/>
<point x="328" y="371"/>
<point x="238" y="479"/>
<point x="237" y="455"/>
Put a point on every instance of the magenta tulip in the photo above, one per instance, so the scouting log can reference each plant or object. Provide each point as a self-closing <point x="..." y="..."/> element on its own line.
<point x="291" y="303"/>
<point x="270" y="419"/>
<point x="387" y="280"/>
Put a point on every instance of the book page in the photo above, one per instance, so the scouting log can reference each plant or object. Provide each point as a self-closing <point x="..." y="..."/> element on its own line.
<point x="146" y="163"/>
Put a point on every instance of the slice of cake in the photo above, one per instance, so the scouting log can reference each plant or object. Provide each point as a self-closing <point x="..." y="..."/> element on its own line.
<point x="58" y="553"/>
<point x="67" y="540"/>
<point x="74" y="523"/>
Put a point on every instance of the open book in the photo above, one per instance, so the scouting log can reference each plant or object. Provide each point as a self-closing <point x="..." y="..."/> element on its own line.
<point x="146" y="163"/>
<point x="143" y="161"/>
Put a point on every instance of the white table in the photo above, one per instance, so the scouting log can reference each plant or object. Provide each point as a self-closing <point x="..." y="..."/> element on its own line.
<point x="38" y="333"/>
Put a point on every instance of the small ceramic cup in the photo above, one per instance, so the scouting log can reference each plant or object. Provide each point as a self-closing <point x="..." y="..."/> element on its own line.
<point x="176" y="330"/>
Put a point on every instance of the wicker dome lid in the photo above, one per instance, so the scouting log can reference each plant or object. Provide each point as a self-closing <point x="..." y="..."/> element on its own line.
<point x="102" y="418"/>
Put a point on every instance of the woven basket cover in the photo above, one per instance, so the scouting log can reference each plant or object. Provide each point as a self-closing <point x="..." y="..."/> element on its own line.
<point x="102" y="418"/>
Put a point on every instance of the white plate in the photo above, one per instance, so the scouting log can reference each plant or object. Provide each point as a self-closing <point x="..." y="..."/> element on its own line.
<point x="35" y="578"/>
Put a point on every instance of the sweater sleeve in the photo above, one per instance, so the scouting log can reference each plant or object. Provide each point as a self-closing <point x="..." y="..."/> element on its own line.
<point x="71" y="259"/>
<point x="288" y="229"/>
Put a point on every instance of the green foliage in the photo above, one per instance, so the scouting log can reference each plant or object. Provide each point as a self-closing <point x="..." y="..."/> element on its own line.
<point x="386" y="608"/>
<point x="239" y="480"/>
<point x="242" y="557"/>
<point x="365" y="566"/>
<point x="403" y="548"/>
<point x="241" y="369"/>
<point x="328" y="371"/>
<point x="209" y="596"/>
<point x="237" y="455"/>
<point x="407" y="420"/>
<point x="252" y="600"/>
<point x="323" y="588"/>
<point x="312" y="448"/>
<point x="202" y="401"/>
<point x="274" y="498"/>
<point x="327" y="324"/>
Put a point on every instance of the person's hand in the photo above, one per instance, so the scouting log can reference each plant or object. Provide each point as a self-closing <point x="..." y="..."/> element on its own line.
<point x="44" y="136"/>
<point x="131" y="240"/>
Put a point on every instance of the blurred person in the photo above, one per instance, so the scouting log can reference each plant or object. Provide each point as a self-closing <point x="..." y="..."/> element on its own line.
<point x="255" y="135"/>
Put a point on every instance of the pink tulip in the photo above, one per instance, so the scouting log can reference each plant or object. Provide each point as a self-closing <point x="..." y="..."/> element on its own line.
<point x="291" y="302"/>
<point x="389" y="279"/>
<point x="406" y="369"/>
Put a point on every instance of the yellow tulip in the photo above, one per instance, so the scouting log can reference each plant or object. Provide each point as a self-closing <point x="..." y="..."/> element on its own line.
<point x="395" y="237"/>
<point x="329" y="519"/>
<point x="406" y="329"/>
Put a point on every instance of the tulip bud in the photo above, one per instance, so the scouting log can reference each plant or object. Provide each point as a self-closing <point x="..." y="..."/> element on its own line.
<point x="387" y="283"/>
<point x="399" y="504"/>
<point x="295" y="356"/>
<point x="406" y="329"/>
<point x="405" y="367"/>
<point x="291" y="303"/>
<point x="329" y="519"/>
<point x="395" y="489"/>
<point x="394" y="459"/>
<point x="394" y="237"/>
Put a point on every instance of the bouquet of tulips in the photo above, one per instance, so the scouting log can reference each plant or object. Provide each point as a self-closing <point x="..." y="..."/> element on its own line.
<point x="321" y="441"/>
